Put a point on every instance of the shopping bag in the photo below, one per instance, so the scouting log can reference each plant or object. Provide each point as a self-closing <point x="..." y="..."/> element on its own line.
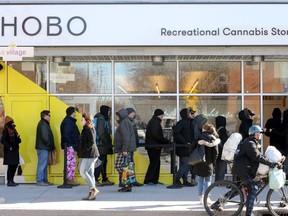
<point x="277" y="178"/>
<point x="52" y="157"/>
<point x="197" y="155"/>
<point x="128" y="173"/>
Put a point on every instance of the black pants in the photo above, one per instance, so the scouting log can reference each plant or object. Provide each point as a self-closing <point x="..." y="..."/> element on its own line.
<point x="11" y="172"/>
<point x="153" y="171"/>
<point x="101" y="169"/>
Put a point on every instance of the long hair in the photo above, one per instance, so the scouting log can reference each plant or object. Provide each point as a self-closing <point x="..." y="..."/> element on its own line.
<point x="210" y="129"/>
<point x="89" y="120"/>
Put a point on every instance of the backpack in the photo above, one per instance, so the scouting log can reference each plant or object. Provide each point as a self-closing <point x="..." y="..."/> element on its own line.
<point x="106" y="125"/>
<point x="230" y="147"/>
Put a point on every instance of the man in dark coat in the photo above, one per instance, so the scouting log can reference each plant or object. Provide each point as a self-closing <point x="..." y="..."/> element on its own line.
<point x="246" y="163"/>
<point x="183" y="134"/>
<point x="154" y="136"/>
<point x="246" y="117"/>
<point x="70" y="136"/>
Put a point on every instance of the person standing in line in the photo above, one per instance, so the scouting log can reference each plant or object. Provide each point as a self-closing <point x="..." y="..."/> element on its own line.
<point x="183" y="134"/>
<point x="154" y="136"/>
<point x="204" y="170"/>
<point x="131" y="115"/>
<point x="11" y="140"/>
<point x="88" y="154"/>
<point x="246" y="117"/>
<point x="70" y="136"/>
<point x="274" y="131"/>
<point x="104" y="143"/>
<point x="221" y="165"/>
<point x="44" y="144"/>
<point x="124" y="144"/>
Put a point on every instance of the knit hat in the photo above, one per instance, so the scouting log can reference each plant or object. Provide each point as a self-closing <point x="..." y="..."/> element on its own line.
<point x="158" y="112"/>
<point x="70" y="110"/>
<point x="8" y="119"/>
<point x="104" y="110"/>
<point x="130" y="110"/>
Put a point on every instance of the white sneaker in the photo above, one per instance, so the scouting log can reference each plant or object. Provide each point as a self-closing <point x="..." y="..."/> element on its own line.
<point x="201" y="200"/>
<point x="209" y="201"/>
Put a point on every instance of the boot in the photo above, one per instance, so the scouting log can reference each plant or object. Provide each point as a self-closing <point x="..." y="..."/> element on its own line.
<point x="72" y="183"/>
<point x="87" y="197"/>
<point x="93" y="194"/>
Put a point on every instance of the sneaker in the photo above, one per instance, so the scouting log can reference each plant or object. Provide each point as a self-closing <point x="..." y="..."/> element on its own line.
<point x="137" y="184"/>
<point x="193" y="182"/>
<point x="98" y="184"/>
<point x="209" y="201"/>
<point x="188" y="184"/>
<point x="107" y="183"/>
<point x="201" y="200"/>
<point x="125" y="189"/>
<point x="216" y="206"/>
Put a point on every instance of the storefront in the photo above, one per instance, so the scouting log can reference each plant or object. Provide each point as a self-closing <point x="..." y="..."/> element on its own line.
<point x="146" y="56"/>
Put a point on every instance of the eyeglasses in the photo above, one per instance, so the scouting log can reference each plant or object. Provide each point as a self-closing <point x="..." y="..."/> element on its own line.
<point x="49" y="115"/>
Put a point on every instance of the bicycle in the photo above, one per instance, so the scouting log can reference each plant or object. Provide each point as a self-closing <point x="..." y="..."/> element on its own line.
<point x="229" y="196"/>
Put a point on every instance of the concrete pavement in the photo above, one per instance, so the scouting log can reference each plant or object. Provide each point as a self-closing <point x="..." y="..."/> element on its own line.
<point x="29" y="199"/>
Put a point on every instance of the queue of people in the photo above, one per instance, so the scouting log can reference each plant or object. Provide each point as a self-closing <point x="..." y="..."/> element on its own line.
<point x="95" y="143"/>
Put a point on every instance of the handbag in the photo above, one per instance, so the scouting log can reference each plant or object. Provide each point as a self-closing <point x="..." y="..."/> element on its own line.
<point x="197" y="155"/>
<point x="98" y="162"/>
<point x="52" y="157"/>
<point x="277" y="178"/>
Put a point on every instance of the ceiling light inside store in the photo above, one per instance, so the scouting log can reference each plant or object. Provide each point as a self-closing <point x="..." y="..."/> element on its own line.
<point x="257" y="58"/>
<point x="158" y="60"/>
<point x="157" y="89"/>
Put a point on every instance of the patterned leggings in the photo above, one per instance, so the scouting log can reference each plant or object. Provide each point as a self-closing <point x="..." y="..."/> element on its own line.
<point x="71" y="163"/>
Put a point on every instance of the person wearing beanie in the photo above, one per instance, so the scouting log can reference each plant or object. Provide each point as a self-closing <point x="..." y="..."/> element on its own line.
<point x="44" y="144"/>
<point x="154" y="136"/>
<point x="104" y="143"/>
<point x="131" y="115"/>
<point x="11" y="140"/>
<point x="70" y="137"/>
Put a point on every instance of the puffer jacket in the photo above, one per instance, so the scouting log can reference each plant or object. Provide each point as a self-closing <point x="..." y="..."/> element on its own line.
<point x="124" y="137"/>
<point x="183" y="134"/>
<point x="246" y="162"/>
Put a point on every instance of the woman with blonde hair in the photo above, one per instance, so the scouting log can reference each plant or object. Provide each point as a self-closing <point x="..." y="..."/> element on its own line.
<point x="88" y="154"/>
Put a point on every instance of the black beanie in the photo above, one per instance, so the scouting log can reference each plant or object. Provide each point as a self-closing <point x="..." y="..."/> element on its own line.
<point x="104" y="110"/>
<point x="70" y="110"/>
<point x="158" y="112"/>
<point x="130" y="110"/>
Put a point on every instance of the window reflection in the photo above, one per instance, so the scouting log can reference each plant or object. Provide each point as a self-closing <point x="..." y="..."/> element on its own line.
<point x="35" y="71"/>
<point x="275" y="77"/>
<point x="80" y="78"/>
<point x="210" y="77"/>
<point x="251" y="77"/>
<point x="143" y="77"/>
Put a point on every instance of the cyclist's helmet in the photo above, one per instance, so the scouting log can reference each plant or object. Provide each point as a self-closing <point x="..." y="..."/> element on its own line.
<point x="255" y="129"/>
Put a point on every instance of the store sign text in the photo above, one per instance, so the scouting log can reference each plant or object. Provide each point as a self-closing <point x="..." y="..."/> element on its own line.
<point x="33" y="26"/>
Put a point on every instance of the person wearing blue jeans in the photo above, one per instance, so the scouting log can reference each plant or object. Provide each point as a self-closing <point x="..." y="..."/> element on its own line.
<point x="203" y="184"/>
<point x="44" y="144"/>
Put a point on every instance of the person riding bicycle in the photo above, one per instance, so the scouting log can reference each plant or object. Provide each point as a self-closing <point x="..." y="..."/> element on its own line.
<point x="246" y="162"/>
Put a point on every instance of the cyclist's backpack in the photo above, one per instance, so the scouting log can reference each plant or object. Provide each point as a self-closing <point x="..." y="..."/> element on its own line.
<point x="230" y="147"/>
<point x="95" y="122"/>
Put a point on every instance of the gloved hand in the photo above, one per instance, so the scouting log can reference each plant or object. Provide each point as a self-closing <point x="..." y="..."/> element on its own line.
<point x="278" y="165"/>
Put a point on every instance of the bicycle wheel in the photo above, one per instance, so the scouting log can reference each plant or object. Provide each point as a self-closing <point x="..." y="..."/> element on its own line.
<point x="223" y="196"/>
<point x="277" y="201"/>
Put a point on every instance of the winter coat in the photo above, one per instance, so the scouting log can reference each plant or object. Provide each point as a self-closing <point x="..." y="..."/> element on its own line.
<point x="44" y="136"/>
<point x="124" y="137"/>
<point x="246" y="162"/>
<point x="88" y="147"/>
<point x="11" y="147"/>
<point x="154" y="133"/>
<point x="222" y="132"/>
<point x="244" y="125"/>
<point x="274" y="123"/>
<point x="103" y="131"/>
<point x="205" y="169"/>
<point x="183" y="134"/>
<point x="198" y="122"/>
<point x="69" y="132"/>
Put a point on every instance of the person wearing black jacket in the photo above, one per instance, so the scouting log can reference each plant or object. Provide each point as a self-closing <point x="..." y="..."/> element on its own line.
<point x="246" y="117"/>
<point x="246" y="163"/>
<point x="221" y="165"/>
<point x="183" y="135"/>
<point x="154" y="136"/>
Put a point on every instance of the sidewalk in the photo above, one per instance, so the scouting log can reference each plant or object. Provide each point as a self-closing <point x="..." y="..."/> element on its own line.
<point x="28" y="199"/>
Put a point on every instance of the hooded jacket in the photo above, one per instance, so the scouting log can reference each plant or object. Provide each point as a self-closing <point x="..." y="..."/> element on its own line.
<point x="198" y="122"/>
<point x="183" y="134"/>
<point x="245" y="124"/>
<point x="124" y="138"/>
<point x="222" y="132"/>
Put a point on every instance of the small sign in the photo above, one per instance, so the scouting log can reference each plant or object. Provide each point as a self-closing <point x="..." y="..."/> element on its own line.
<point x="14" y="53"/>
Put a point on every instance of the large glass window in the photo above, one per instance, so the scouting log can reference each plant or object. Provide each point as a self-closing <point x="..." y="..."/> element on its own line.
<point x="143" y="77"/>
<point x="251" y="77"/>
<point x="81" y="78"/>
<point x="275" y="77"/>
<point x="210" y="77"/>
<point x="35" y="71"/>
